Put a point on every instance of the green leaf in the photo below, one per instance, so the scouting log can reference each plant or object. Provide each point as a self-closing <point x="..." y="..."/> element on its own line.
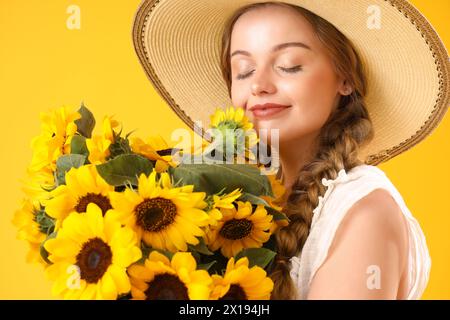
<point x="119" y="147"/>
<point x="277" y="215"/>
<point x="45" y="222"/>
<point x="201" y="247"/>
<point x="86" y="124"/>
<point x="271" y="244"/>
<point x="145" y="252"/>
<point x="78" y="145"/>
<point x="196" y="256"/>
<point x="124" y="169"/>
<point x="206" y="266"/>
<point x="65" y="163"/>
<point x="211" y="178"/>
<point x="252" y="199"/>
<point x="42" y="251"/>
<point x="257" y="256"/>
<point x="220" y="262"/>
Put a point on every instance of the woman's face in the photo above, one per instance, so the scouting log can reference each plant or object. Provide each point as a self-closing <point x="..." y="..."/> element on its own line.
<point x="300" y="76"/>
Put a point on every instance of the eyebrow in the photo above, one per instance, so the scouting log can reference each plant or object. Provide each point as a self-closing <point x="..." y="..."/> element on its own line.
<point x="278" y="47"/>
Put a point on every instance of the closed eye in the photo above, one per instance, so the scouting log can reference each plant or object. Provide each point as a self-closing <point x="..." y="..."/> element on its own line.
<point x="243" y="76"/>
<point x="292" y="70"/>
<point x="288" y="70"/>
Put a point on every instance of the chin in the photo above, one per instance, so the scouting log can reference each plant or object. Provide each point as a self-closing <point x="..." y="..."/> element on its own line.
<point x="269" y="125"/>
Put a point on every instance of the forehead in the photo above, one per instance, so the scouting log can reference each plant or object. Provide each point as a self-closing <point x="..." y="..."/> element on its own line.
<point x="261" y="28"/>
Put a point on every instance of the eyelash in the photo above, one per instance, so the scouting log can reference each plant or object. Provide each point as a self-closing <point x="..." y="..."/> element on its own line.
<point x="288" y="70"/>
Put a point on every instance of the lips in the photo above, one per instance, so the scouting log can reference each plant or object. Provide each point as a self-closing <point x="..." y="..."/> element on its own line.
<point x="267" y="109"/>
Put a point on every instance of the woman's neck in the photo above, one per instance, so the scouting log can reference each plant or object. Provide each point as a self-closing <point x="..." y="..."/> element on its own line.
<point x="293" y="157"/>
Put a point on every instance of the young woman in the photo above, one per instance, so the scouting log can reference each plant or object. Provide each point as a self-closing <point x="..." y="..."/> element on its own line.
<point x="340" y="109"/>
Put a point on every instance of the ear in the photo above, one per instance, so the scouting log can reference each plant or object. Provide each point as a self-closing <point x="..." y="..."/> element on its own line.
<point x="344" y="88"/>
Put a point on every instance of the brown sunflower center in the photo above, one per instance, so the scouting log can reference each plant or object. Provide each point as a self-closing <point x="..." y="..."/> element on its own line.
<point x="166" y="287"/>
<point x="236" y="229"/>
<point x="100" y="200"/>
<point x="235" y="293"/>
<point x="166" y="152"/>
<point x="94" y="259"/>
<point x="155" y="214"/>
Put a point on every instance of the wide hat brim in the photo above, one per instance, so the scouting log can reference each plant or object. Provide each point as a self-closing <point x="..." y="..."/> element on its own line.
<point x="178" y="43"/>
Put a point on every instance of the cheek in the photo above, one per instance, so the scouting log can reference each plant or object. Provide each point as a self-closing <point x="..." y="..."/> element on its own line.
<point x="315" y="91"/>
<point x="238" y="96"/>
<point x="313" y="97"/>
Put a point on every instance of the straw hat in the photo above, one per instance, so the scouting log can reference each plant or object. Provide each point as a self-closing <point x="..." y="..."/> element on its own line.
<point x="179" y="41"/>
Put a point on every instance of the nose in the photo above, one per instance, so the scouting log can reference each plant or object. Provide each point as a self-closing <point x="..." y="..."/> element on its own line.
<point x="262" y="84"/>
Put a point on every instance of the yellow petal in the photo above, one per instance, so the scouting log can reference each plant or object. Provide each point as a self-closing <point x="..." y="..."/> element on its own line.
<point x="156" y="256"/>
<point x="64" y="248"/>
<point x="85" y="178"/>
<point x="236" y="247"/>
<point x="242" y="262"/>
<point x="89" y="292"/>
<point x="161" y="166"/>
<point x="254" y="278"/>
<point x="184" y="260"/>
<point x="120" y="278"/>
<point x="260" y="236"/>
<point x="94" y="217"/>
<point x="177" y="239"/>
<point x="198" y="291"/>
<point x="108" y="287"/>
<point x="137" y="294"/>
<point x="140" y="272"/>
<point x="123" y="257"/>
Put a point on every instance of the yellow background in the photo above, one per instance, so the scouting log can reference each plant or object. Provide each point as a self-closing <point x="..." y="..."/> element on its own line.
<point x="45" y="65"/>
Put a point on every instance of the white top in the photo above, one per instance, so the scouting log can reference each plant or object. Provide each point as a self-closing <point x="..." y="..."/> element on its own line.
<point x="339" y="197"/>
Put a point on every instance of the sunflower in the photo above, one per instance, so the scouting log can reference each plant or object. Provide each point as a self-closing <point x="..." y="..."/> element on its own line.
<point x="25" y="219"/>
<point x="164" y="217"/>
<point x="98" y="145"/>
<point x="90" y="255"/>
<point x="279" y="191"/>
<point x="163" y="279"/>
<point x="231" y="118"/>
<point x="57" y="129"/>
<point x="187" y="151"/>
<point x="234" y="119"/>
<point x="241" y="282"/>
<point x="108" y="126"/>
<point x="222" y="201"/>
<point x="37" y="184"/>
<point x="277" y="187"/>
<point x="239" y="229"/>
<point x="83" y="186"/>
<point x="156" y="149"/>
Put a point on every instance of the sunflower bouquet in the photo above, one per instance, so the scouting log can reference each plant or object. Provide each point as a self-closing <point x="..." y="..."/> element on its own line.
<point x="113" y="216"/>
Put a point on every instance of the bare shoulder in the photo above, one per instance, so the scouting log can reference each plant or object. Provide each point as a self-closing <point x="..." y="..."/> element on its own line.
<point x="378" y="209"/>
<point x="373" y="233"/>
